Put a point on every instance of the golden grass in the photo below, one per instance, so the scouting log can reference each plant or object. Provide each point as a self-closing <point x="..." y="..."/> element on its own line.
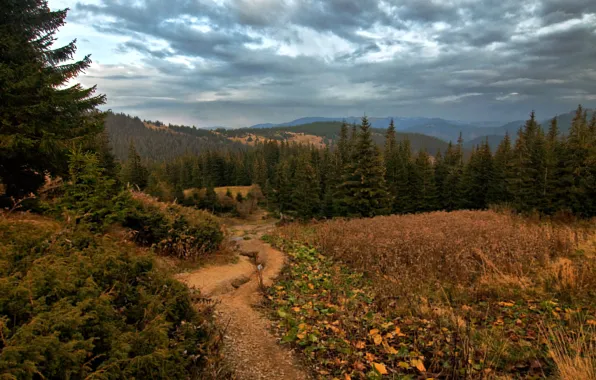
<point x="574" y="354"/>
<point x="489" y="278"/>
<point x="244" y="190"/>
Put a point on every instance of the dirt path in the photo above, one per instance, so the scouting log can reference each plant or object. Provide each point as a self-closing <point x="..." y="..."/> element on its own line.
<point x="251" y="350"/>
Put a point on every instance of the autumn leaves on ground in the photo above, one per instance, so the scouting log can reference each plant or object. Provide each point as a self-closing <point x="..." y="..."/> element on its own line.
<point x="467" y="294"/>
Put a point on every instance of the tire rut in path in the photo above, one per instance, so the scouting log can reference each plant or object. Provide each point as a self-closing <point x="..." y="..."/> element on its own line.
<point x="252" y="351"/>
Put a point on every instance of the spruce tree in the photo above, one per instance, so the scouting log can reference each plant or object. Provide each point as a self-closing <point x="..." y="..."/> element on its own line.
<point x="41" y="117"/>
<point x="363" y="181"/>
<point x="305" y="190"/>
<point x="391" y="159"/>
<point x="402" y="201"/>
<point x="502" y="164"/>
<point x="422" y="181"/>
<point x="133" y="171"/>
<point x="283" y="186"/>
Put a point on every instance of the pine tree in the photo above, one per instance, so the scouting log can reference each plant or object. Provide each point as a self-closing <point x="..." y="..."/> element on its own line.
<point x="499" y="189"/>
<point x="452" y="189"/>
<point x="363" y="181"/>
<point x="40" y="118"/>
<point x="305" y="190"/>
<point x="477" y="177"/>
<point x="283" y="186"/>
<point x="402" y="201"/>
<point x="440" y="177"/>
<point x="134" y="172"/>
<point x="553" y="152"/>
<point x="422" y="184"/>
<point x="391" y="159"/>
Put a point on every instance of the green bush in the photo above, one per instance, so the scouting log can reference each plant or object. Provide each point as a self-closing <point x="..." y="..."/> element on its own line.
<point x="173" y="230"/>
<point x="75" y="305"/>
<point x="91" y="196"/>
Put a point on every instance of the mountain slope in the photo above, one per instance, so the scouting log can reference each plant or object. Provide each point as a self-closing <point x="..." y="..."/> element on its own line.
<point x="329" y="132"/>
<point x="159" y="142"/>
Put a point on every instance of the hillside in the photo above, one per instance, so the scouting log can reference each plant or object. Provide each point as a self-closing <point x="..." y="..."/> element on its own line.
<point x="401" y="123"/>
<point x="329" y="132"/>
<point x="159" y="142"/>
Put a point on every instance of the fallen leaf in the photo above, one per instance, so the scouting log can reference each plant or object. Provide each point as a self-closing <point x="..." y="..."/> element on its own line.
<point x="373" y="332"/>
<point x="377" y="339"/>
<point x="418" y="364"/>
<point x="360" y="344"/>
<point x="380" y="368"/>
<point x="506" y="304"/>
<point x="398" y="331"/>
<point x="369" y="357"/>
<point x="403" y="365"/>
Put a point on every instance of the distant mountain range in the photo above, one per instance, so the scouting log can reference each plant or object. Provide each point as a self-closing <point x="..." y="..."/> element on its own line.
<point x="401" y="123"/>
<point x="473" y="133"/>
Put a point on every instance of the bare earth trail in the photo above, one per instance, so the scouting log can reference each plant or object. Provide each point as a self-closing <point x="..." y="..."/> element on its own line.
<point x="251" y="349"/>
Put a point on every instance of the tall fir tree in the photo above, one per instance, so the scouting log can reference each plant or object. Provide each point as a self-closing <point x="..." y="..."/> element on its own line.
<point x="502" y="164"/>
<point x="41" y="117"/>
<point x="135" y="173"/>
<point x="365" y="192"/>
<point x="305" y="190"/>
<point x="402" y="201"/>
<point x="390" y="156"/>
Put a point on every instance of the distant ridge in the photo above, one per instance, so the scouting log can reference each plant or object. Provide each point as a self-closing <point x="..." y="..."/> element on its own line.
<point x="401" y="123"/>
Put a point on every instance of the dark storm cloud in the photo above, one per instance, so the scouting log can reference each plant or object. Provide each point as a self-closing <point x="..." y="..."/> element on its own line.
<point x="292" y="58"/>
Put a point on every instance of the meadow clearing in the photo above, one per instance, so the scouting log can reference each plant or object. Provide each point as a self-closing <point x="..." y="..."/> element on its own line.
<point x="465" y="294"/>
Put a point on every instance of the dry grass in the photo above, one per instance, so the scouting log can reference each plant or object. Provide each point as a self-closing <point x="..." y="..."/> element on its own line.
<point x="244" y="190"/>
<point x="491" y="279"/>
<point x="574" y="354"/>
<point x="459" y="249"/>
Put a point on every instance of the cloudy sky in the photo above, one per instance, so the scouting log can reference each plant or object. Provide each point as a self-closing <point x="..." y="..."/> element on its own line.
<point x="241" y="62"/>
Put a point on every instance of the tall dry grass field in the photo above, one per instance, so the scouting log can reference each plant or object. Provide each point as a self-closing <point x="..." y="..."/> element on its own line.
<point x="497" y="282"/>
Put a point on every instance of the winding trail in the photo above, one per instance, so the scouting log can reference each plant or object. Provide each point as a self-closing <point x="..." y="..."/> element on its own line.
<point x="252" y="351"/>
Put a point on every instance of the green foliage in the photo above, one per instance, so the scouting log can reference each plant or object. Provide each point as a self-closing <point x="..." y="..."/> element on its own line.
<point x="80" y="306"/>
<point x="41" y="116"/>
<point x="133" y="171"/>
<point x="92" y="197"/>
<point x="362" y="186"/>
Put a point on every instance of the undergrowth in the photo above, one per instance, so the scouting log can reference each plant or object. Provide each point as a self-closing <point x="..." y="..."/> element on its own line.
<point x="77" y="305"/>
<point x="472" y="305"/>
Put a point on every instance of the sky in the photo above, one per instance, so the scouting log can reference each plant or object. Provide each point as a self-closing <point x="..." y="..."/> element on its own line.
<point x="235" y="63"/>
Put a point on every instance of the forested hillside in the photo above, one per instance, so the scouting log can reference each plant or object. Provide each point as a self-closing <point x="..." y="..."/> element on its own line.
<point x="159" y="142"/>
<point x="156" y="141"/>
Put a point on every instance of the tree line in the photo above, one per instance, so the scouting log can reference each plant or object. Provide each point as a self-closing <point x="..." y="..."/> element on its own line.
<point x="538" y="170"/>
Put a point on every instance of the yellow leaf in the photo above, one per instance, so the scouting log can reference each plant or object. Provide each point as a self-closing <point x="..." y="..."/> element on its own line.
<point x="591" y="322"/>
<point x="347" y="377"/>
<point x="373" y="332"/>
<point x="360" y="344"/>
<point x="398" y="332"/>
<point x="386" y="325"/>
<point x="296" y="309"/>
<point x="380" y="368"/>
<point x="311" y="286"/>
<point x="377" y="339"/>
<point x="390" y="350"/>
<point x="301" y="336"/>
<point x="418" y="364"/>
<point x="506" y="304"/>
<point x="403" y="365"/>
<point x="369" y="357"/>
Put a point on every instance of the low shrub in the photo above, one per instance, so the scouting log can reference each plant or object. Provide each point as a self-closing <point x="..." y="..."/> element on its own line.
<point x="172" y="229"/>
<point x="76" y="305"/>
